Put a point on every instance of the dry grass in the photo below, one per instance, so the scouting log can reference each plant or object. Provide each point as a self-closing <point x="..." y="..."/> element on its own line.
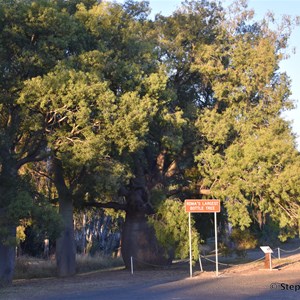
<point x="29" y="267"/>
<point x="87" y="263"/>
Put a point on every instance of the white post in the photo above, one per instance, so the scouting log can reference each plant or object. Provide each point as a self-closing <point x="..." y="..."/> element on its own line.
<point x="200" y="263"/>
<point x="279" y="253"/>
<point x="131" y="264"/>
<point x="216" y="244"/>
<point x="190" y="240"/>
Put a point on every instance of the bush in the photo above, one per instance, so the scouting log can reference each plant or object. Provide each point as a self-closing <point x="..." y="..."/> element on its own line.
<point x="225" y="250"/>
<point x="172" y="230"/>
<point x="243" y="240"/>
<point x="269" y="234"/>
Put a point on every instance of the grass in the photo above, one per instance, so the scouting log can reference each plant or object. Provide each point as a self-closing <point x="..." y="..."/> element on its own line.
<point x="87" y="263"/>
<point x="30" y="267"/>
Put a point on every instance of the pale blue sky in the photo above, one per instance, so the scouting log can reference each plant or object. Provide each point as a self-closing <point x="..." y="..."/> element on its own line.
<point x="291" y="66"/>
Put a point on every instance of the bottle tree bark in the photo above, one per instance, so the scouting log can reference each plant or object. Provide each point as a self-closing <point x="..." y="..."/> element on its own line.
<point x="65" y="244"/>
<point x="138" y="237"/>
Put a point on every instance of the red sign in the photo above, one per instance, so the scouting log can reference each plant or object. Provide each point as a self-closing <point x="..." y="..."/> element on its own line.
<point x="202" y="205"/>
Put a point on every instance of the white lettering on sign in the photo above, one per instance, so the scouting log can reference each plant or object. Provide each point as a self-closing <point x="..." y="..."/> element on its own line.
<point x="202" y="205"/>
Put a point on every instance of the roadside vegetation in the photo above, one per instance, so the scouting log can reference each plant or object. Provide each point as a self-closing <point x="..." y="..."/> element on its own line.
<point x="31" y="267"/>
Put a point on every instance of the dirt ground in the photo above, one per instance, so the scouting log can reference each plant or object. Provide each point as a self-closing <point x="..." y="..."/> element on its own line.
<point x="53" y="288"/>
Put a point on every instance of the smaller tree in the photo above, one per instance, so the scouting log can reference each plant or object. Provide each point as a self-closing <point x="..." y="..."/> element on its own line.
<point x="248" y="149"/>
<point x="172" y="231"/>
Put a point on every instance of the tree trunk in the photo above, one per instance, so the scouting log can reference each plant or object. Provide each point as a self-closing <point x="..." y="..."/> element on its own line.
<point x="7" y="259"/>
<point x="138" y="237"/>
<point x="8" y="189"/>
<point x="65" y="244"/>
<point x="140" y="243"/>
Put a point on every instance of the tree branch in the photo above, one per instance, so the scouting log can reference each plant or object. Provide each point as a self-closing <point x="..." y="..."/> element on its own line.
<point x="43" y="174"/>
<point x="113" y="205"/>
<point x="31" y="157"/>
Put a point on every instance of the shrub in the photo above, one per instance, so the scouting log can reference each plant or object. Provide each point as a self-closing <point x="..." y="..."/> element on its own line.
<point x="172" y="231"/>
<point x="243" y="240"/>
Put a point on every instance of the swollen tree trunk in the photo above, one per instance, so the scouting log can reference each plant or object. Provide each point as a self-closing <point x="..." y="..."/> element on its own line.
<point x="65" y="244"/>
<point x="138" y="236"/>
<point x="139" y="243"/>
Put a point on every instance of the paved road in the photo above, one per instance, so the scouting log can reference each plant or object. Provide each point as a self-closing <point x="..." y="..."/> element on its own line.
<point x="158" y="285"/>
<point x="238" y="287"/>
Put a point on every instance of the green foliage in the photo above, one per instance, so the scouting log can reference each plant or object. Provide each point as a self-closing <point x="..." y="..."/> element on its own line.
<point x="28" y="209"/>
<point x="16" y="203"/>
<point x="73" y="105"/>
<point x="270" y="234"/>
<point x="20" y="207"/>
<point x="46" y="221"/>
<point x="172" y="231"/>
<point x="107" y="178"/>
<point x="157" y="197"/>
<point x="243" y="239"/>
<point x="252" y="176"/>
<point x="248" y="148"/>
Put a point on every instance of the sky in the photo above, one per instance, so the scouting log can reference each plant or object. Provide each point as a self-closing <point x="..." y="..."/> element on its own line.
<point x="291" y="65"/>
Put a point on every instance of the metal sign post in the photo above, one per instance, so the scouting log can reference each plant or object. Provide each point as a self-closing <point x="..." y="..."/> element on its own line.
<point x="190" y="241"/>
<point x="216" y="244"/>
<point x="203" y="206"/>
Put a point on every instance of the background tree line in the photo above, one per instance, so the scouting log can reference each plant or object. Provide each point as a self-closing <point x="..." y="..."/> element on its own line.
<point x="103" y="107"/>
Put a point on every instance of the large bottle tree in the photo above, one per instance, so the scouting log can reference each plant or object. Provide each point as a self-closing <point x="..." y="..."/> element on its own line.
<point x="159" y="164"/>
